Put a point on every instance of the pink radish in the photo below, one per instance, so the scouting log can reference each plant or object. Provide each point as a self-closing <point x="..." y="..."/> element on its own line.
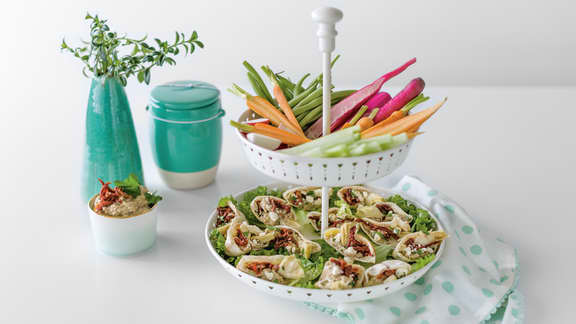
<point x="343" y="110"/>
<point x="413" y="89"/>
<point x="376" y="101"/>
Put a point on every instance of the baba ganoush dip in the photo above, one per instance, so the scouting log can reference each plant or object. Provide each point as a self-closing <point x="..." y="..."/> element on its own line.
<point x="128" y="198"/>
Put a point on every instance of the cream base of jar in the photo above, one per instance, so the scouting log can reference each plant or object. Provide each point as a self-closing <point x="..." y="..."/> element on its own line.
<point x="188" y="180"/>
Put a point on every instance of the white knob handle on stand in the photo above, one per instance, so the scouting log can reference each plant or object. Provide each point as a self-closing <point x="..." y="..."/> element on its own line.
<point x="326" y="17"/>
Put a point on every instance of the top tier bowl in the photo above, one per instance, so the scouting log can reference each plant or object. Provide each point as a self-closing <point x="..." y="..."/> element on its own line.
<point x="321" y="171"/>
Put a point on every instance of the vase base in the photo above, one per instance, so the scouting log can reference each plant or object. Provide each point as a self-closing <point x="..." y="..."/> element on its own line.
<point x="188" y="180"/>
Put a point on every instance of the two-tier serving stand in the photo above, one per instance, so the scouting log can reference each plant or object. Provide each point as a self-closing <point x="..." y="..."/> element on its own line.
<point x="324" y="172"/>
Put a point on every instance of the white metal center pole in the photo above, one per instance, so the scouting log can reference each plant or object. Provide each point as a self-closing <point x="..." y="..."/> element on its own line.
<point x="326" y="17"/>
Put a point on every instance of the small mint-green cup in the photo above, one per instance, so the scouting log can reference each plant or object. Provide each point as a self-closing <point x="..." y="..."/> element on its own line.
<point x="186" y="132"/>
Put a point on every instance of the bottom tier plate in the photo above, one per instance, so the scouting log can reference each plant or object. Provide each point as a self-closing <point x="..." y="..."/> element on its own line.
<point x="321" y="295"/>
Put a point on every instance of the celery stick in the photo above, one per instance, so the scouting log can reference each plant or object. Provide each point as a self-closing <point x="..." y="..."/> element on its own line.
<point x="359" y="149"/>
<point x="382" y="140"/>
<point x="365" y="148"/>
<point x="313" y="152"/>
<point x="399" y="140"/>
<point x="340" y="150"/>
<point x="345" y="136"/>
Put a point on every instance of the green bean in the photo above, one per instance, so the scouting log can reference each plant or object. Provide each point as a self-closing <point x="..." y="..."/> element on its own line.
<point x="315" y="94"/>
<point x="313" y="84"/>
<point x="258" y="80"/>
<point x="300" y="117"/>
<point x="298" y="87"/>
<point x="299" y="97"/>
<point x="312" y="104"/>
<point x="310" y="115"/>
<point x="286" y="81"/>
<point x="255" y="85"/>
<point x="336" y="97"/>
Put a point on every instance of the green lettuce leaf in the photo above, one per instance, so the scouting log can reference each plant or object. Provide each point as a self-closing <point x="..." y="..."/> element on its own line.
<point x="244" y="203"/>
<point x="218" y="242"/>
<point x="334" y="197"/>
<point x="312" y="270"/>
<point x="327" y="251"/>
<point x="382" y="252"/>
<point x="223" y="202"/>
<point x="421" y="218"/>
<point x="421" y="262"/>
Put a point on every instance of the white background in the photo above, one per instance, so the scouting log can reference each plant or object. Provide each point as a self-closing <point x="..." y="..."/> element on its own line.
<point x="490" y="42"/>
<point x="502" y="147"/>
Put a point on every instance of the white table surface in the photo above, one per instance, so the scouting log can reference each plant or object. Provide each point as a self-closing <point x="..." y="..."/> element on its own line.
<point x="506" y="154"/>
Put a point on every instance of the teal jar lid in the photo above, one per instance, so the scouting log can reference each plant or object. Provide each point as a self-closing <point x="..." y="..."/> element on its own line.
<point x="185" y="101"/>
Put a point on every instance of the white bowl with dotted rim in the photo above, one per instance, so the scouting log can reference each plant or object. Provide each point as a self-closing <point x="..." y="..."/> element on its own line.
<point x="321" y="295"/>
<point x="321" y="171"/>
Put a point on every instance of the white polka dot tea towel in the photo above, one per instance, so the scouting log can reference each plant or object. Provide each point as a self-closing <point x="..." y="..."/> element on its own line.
<point x="473" y="282"/>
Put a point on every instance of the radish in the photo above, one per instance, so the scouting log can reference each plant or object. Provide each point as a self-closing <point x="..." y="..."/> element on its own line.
<point x="264" y="141"/>
<point x="258" y="121"/>
<point x="413" y="89"/>
<point x="343" y="110"/>
<point x="376" y="101"/>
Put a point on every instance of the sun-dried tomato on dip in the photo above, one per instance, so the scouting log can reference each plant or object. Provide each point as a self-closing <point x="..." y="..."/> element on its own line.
<point x="127" y="198"/>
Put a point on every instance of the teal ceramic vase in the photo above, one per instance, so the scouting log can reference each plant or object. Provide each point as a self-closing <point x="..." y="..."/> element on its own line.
<point x="111" y="150"/>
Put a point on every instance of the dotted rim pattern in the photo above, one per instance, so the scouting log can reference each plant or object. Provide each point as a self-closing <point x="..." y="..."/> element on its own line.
<point x="322" y="171"/>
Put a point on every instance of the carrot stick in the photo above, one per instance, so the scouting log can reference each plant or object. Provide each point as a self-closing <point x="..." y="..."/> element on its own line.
<point x="367" y="122"/>
<point x="283" y="103"/>
<point x="264" y="108"/>
<point x="397" y="115"/>
<point x="271" y="131"/>
<point x="411" y="135"/>
<point x="406" y="124"/>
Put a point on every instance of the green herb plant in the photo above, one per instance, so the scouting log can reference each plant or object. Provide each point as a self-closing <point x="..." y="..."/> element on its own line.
<point x="111" y="55"/>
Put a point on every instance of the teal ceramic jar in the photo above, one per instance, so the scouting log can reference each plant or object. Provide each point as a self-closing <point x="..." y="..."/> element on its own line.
<point x="186" y="132"/>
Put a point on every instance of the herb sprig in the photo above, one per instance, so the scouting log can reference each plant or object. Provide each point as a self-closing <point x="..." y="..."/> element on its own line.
<point x="102" y="58"/>
<point x="131" y="186"/>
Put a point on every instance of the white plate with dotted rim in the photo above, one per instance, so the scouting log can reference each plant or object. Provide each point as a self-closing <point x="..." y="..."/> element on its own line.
<point x="321" y="171"/>
<point x="321" y="295"/>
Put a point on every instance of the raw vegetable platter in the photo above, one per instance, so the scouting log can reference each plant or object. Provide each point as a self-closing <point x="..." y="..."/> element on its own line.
<point x="372" y="131"/>
<point x="304" y="289"/>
